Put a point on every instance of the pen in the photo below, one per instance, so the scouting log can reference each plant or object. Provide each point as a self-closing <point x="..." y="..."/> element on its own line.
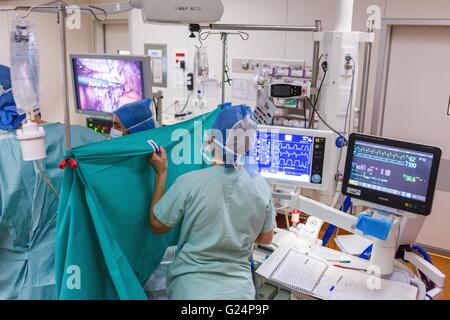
<point x="337" y="282"/>
<point x="348" y="268"/>
<point x="340" y="261"/>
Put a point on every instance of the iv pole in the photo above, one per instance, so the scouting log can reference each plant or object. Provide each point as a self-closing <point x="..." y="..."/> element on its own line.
<point x="253" y="27"/>
<point x="61" y="8"/>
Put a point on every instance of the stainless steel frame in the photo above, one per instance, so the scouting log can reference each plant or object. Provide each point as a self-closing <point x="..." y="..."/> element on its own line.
<point x="253" y="27"/>
<point x="379" y="103"/>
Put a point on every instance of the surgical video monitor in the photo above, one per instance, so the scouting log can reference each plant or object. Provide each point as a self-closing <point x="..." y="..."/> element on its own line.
<point x="103" y="83"/>
<point x="295" y="157"/>
<point x="396" y="174"/>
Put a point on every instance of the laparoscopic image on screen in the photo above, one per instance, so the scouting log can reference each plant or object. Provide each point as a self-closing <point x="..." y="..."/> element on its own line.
<point x="103" y="85"/>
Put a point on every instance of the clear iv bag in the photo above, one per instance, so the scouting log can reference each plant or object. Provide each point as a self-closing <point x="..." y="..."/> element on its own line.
<point x="201" y="63"/>
<point x="24" y="66"/>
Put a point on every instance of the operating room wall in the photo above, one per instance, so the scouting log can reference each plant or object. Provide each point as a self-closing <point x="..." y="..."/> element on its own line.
<point x="263" y="45"/>
<point x="392" y="9"/>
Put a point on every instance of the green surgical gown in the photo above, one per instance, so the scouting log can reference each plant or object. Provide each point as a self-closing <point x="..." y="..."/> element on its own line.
<point x="222" y="212"/>
<point x="28" y="210"/>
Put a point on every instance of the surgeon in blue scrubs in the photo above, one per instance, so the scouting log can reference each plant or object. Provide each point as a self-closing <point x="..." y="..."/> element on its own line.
<point x="223" y="210"/>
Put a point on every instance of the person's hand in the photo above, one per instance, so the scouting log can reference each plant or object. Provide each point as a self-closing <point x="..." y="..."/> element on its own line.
<point x="159" y="162"/>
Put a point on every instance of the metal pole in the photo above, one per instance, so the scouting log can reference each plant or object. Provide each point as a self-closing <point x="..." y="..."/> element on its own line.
<point x="62" y="22"/>
<point x="255" y="27"/>
<point x="315" y="71"/>
<point x="365" y="83"/>
<point x="316" y="53"/>
<point x="224" y="37"/>
<point x="159" y="98"/>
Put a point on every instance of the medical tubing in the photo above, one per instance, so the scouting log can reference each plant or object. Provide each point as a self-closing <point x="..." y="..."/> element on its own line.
<point x="427" y="257"/>
<point x="422" y="251"/>
<point x="46" y="178"/>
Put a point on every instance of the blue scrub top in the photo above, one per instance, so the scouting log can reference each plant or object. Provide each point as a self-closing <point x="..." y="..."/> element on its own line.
<point x="222" y="212"/>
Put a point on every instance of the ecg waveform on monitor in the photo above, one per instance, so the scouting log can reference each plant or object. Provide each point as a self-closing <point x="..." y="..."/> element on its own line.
<point x="286" y="156"/>
<point x="294" y="147"/>
<point x="392" y="157"/>
<point x="292" y="154"/>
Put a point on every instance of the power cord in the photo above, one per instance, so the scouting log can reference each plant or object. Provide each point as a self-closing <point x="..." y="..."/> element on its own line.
<point x="323" y="120"/>
<point x="325" y="70"/>
<point x="314" y="105"/>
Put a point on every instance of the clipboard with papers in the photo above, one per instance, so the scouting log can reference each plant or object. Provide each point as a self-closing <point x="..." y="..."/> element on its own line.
<point x="294" y="270"/>
<point x="306" y="274"/>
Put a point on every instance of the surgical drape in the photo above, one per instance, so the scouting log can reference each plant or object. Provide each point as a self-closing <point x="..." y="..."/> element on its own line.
<point x="105" y="249"/>
<point x="28" y="209"/>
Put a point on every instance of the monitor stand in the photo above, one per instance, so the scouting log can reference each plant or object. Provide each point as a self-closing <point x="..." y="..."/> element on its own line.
<point x="410" y="223"/>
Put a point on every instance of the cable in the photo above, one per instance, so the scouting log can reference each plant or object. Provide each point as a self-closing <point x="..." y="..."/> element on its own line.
<point x="325" y="70"/>
<point x="304" y="113"/>
<point x="46" y="178"/>
<point x="186" y="104"/>
<point x="321" y="119"/>
<point x="347" y="116"/>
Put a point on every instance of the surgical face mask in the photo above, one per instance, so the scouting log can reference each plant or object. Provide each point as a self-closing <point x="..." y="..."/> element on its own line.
<point x="115" y="133"/>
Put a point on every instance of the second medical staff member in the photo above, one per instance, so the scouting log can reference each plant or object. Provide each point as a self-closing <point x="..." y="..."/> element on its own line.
<point x="223" y="211"/>
<point x="131" y="118"/>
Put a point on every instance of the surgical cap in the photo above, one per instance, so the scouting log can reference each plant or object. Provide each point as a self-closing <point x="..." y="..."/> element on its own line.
<point x="234" y="132"/>
<point x="136" y="116"/>
<point x="9" y="118"/>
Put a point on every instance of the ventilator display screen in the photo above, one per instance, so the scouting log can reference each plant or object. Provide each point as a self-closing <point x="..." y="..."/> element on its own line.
<point x="102" y="84"/>
<point x="392" y="173"/>
<point x="290" y="157"/>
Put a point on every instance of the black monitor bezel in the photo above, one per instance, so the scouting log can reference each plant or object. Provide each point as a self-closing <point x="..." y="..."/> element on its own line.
<point x="390" y="200"/>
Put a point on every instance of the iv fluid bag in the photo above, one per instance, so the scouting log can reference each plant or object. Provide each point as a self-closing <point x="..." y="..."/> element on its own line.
<point x="201" y="63"/>
<point x="24" y="66"/>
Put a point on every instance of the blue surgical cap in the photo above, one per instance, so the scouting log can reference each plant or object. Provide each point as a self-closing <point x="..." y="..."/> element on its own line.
<point x="231" y="117"/>
<point x="136" y="116"/>
<point x="9" y="118"/>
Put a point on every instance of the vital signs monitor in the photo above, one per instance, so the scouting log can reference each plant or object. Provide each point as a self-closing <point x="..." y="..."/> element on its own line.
<point x="295" y="157"/>
<point x="392" y="173"/>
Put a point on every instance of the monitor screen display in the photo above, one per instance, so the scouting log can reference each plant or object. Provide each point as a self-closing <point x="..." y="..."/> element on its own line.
<point x="397" y="174"/>
<point x="398" y="171"/>
<point x="290" y="157"/>
<point x="104" y="84"/>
